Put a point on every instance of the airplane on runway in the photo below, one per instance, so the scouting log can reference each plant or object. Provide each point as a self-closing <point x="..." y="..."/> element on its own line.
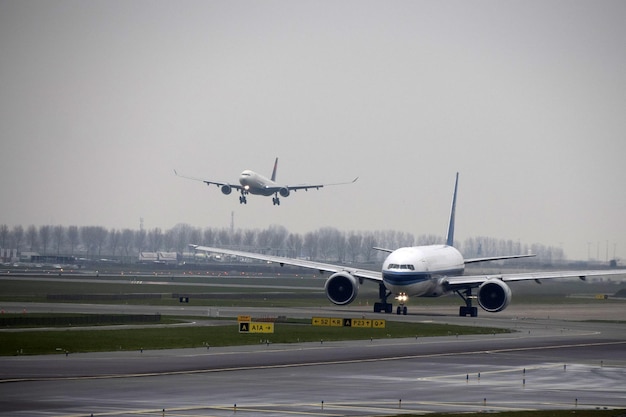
<point x="256" y="184"/>
<point x="421" y="271"/>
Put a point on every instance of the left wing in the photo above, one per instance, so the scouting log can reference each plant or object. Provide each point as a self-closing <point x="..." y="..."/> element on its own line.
<point x="475" y="280"/>
<point x="319" y="266"/>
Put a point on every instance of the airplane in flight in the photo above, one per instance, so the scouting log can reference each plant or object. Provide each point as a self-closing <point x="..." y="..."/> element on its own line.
<point x="421" y="271"/>
<point x="251" y="182"/>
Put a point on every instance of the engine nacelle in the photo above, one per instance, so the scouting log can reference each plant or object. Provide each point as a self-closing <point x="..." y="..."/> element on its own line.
<point x="227" y="189"/>
<point x="284" y="192"/>
<point x="494" y="295"/>
<point x="341" y="288"/>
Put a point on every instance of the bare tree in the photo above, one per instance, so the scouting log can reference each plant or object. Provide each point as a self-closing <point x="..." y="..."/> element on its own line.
<point x="264" y="239"/>
<point x="18" y="236"/>
<point x="45" y="233"/>
<point x="58" y="236"/>
<point x="249" y="238"/>
<point x="4" y="235"/>
<point x="330" y="245"/>
<point x="181" y="237"/>
<point x="31" y="237"/>
<point x="223" y="237"/>
<point x="369" y="242"/>
<point x="295" y="243"/>
<point x="73" y="238"/>
<point x="155" y="239"/>
<point x="354" y="241"/>
<point x="278" y="234"/>
<point x="94" y="237"/>
<point x="126" y="241"/>
<point x="140" y="240"/>
<point x="195" y="236"/>
<point x="311" y="245"/>
<point x="209" y="236"/>
<point x="115" y="237"/>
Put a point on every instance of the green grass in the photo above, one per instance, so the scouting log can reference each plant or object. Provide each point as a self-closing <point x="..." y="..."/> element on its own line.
<point x="48" y="342"/>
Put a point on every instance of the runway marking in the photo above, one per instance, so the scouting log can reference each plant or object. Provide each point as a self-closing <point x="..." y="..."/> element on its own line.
<point x="297" y="365"/>
<point x="333" y="409"/>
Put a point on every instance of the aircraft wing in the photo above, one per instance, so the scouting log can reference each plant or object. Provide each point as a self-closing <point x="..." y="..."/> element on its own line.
<point x="475" y="280"/>
<point x="319" y="266"/>
<point x="207" y="182"/>
<point x="496" y="258"/>
<point x="315" y="186"/>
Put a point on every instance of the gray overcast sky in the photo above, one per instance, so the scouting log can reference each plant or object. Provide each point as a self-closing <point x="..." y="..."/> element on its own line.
<point x="101" y="100"/>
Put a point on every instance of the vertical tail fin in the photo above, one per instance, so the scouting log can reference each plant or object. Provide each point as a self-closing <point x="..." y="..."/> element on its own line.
<point x="274" y="171"/>
<point x="450" y="238"/>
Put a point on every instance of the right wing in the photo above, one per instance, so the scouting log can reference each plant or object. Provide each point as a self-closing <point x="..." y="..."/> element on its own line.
<point x="207" y="182"/>
<point x="466" y="281"/>
<point x="319" y="266"/>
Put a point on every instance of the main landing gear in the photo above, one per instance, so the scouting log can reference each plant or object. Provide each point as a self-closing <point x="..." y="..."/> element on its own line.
<point x="276" y="201"/>
<point x="467" y="309"/>
<point x="383" y="306"/>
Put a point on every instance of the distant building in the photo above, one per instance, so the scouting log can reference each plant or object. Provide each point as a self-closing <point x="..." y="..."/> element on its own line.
<point x="8" y="255"/>
<point x="147" y="257"/>
<point x="158" y="257"/>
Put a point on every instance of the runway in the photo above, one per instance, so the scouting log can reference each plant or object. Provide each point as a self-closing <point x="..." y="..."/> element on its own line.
<point x="547" y="363"/>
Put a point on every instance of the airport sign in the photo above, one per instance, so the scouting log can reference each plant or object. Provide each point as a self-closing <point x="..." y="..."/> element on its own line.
<point x="252" y="327"/>
<point x="337" y="322"/>
<point x="327" y="321"/>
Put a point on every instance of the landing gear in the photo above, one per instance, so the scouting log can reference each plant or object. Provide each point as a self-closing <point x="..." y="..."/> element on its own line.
<point x="401" y="310"/>
<point x="467" y="309"/>
<point x="242" y="198"/>
<point x="383" y="306"/>
<point x="276" y="201"/>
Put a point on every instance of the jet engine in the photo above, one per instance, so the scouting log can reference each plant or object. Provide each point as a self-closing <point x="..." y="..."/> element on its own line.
<point x="227" y="189"/>
<point x="341" y="288"/>
<point x="284" y="192"/>
<point x="494" y="295"/>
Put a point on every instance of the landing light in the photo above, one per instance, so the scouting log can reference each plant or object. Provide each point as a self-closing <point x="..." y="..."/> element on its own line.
<point x="246" y="187"/>
<point x="402" y="297"/>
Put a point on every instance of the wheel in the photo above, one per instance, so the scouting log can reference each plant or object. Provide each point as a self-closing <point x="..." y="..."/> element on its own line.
<point x="389" y="308"/>
<point x="474" y="311"/>
<point x="405" y="310"/>
<point x="399" y="310"/>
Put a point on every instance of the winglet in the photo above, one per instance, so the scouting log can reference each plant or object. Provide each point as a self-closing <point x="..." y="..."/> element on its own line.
<point x="450" y="238"/>
<point x="274" y="171"/>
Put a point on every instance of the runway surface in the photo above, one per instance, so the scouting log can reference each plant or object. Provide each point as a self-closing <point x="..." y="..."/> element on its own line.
<point x="547" y="363"/>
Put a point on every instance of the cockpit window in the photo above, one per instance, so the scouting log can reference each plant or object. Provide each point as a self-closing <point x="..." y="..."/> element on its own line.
<point x="403" y="266"/>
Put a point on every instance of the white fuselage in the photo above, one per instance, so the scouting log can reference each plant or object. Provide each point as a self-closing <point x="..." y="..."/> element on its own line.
<point x="257" y="184"/>
<point x="418" y="270"/>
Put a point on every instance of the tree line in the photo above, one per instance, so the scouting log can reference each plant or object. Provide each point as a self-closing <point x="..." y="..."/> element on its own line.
<point x="327" y="243"/>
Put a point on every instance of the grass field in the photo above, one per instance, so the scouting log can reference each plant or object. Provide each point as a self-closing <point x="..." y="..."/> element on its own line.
<point x="86" y="340"/>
